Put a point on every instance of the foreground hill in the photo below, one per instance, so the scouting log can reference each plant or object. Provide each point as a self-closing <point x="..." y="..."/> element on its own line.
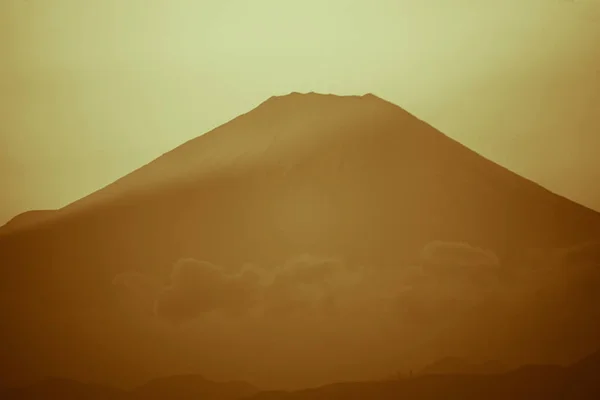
<point x="182" y="387"/>
<point x="191" y="386"/>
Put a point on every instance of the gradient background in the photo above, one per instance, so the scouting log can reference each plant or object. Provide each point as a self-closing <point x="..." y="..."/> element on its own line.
<point x="90" y="90"/>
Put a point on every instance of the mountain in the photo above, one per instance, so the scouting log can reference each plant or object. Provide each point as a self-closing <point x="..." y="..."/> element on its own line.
<point x="355" y="178"/>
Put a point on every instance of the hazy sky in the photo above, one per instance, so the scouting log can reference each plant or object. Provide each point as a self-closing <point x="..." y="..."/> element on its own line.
<point x="90" y="90"/>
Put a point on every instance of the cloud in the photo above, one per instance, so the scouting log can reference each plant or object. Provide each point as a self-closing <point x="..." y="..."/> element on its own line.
<point x="318" y="313"/>
<point x="587" y="253"/>
<point x="455" y="260"/>
<point x="316" y="285"/>
<point x="305" y="282"/>
<point x="458" y="253"/>
<point x="309" y="269"/>
<point x="199" y="287"/>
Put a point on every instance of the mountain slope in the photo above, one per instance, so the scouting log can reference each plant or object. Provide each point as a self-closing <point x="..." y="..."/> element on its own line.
<point x="25" y="220"/>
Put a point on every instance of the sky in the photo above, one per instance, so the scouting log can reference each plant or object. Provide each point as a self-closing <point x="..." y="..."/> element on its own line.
<point x="90" y="91"/>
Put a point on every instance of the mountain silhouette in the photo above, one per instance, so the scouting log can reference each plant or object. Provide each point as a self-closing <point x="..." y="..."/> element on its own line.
<point x="352" y="177"/>
<point x="64" y="389"/>
<point x="174" y="387"/>
<point x="531" y="382"/>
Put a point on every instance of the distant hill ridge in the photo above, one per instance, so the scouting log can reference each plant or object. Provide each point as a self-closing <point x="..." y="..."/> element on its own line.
<point x="535" y="382"/>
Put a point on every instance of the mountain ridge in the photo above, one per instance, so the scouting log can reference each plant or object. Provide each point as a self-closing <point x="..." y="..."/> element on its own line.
<point x="527" y="382"/>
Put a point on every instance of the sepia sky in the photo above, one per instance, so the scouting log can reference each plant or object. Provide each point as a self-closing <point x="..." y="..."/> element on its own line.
<point x="90" y="90"/>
